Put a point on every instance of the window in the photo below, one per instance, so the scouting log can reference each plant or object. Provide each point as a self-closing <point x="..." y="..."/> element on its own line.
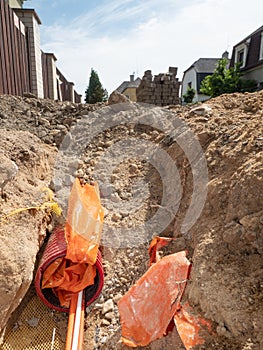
<point x="189" y="85"/>
<point x="241" y="53"/>
<point x="240" y="57"/>
<point x="261" y="48"/>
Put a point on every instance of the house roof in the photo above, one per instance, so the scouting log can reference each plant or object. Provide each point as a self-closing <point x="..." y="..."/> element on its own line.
<point x="252" y="59"/>
<point x="257" y="31"/>
<point x="204" y="65"/>
<point x="128" y="84"/>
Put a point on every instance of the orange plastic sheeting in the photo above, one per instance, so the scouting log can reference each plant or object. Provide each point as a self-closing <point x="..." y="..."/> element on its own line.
<point x="156" y="244"/>
<point x="191" y="327"/>
<point x="68" y="278"/>
<point x="84" y="223"/>
<point x="148" y="307"/>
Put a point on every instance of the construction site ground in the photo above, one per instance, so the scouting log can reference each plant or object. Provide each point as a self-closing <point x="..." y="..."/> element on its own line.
<point x="224" y="245"/>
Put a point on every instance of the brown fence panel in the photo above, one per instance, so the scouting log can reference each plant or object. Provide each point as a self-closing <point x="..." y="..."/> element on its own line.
<point x="2" y="60"/>
<point x="65" y="87"/>
<point x="77" y="97"/>
<point x="4" y="49"/>
<point x="45" y="74"/>
<point x="24" y="66"/>
<point x="14" y="71"/>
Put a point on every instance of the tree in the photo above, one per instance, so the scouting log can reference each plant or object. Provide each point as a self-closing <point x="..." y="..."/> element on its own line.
<point x="189" y="95"/>
<point x="95" y="91"/>
<point x="225" y="80"/>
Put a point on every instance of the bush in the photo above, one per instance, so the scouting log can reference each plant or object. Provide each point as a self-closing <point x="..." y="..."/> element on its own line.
<point x="225" y="80"/>
<point x="189" y="95"/>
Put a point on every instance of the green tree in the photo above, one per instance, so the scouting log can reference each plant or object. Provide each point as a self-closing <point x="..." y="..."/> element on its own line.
<point x="95" y="91"/>
<point x="225" y="80"/>
<point x="189" y="95"/>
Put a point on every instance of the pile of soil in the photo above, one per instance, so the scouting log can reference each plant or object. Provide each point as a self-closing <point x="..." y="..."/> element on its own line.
<point x="224" y="244"/>
<point x="47" y="119"/>
<point x="26" y="166"/>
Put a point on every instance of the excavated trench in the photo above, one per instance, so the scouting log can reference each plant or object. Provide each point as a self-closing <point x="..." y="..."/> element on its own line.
<point x="224" y="244"/>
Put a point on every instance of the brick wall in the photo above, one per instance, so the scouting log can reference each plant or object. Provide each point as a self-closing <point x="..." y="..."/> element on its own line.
<point x="160" y="90"/>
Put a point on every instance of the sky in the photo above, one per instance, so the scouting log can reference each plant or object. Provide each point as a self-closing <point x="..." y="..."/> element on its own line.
<point x="118" y="38"/>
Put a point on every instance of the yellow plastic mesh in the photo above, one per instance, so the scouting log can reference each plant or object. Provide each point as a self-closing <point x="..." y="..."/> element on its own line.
<point x="37" y="328"/>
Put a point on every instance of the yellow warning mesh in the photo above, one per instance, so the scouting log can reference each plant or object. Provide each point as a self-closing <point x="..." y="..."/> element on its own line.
<point x="37" y="328"/>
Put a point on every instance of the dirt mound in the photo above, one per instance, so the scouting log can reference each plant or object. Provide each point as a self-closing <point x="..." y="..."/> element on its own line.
<point x="49" y="120"/>
<point x="224" y="244"/>
<point x="22" y="234"/>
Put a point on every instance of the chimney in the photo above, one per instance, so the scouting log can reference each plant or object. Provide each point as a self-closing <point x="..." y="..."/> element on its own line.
<point x="225" y="55"/>
<point x="132" y="77"/>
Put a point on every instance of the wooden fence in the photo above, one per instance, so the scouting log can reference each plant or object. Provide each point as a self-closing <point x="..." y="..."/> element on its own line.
<point x="14" y="67"/>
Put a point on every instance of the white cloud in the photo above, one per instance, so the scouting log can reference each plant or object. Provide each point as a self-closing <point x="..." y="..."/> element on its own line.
<point x="155" y="37"/>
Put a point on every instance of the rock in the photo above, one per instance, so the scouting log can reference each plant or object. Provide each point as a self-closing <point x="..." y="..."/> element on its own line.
<point x="98" y="306"/>
<point x="201" y="110"/>
<point x="114" y="177"/>
<point x="105" y="323"/>
<point x="117" y="298"/>
<point x="109" y="316"/>
<point x="133" y="168"/>
<point x="124" y="214"/>
<point x="116" y="97"/>
<point x="8" y="170"/>
<point x="115" y="197"/>
<point x="116" y="217"/>
<point x="29" y="95"/>
<point x="33" y="322"/>
<point x="107" y="306"/>
<point x="106" y="190"/>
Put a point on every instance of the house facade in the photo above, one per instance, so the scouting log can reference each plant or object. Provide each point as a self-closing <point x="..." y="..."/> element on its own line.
<point x="128" y="88"/>
<point x="249" y="53"/>
<point x="194" y="75"/>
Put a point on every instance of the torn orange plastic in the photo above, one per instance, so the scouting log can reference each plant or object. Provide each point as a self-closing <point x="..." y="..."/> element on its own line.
<point x="148" y="307"/>
<point x="156" y="244"/>
<point x="76" y="271"/>
<point x="191" y="327"/>
<point x="84" y="223"/>
<point x="66" y="278"/>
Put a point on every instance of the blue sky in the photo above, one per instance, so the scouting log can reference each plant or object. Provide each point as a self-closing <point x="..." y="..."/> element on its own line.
<point x="119" y="38"/>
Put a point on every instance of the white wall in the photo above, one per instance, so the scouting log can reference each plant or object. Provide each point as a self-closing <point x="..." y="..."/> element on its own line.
<point x="15" y="3"/>
<point x="189" y="77"/>
<point x="202" y="98"/>
<point x="255" y="74"/>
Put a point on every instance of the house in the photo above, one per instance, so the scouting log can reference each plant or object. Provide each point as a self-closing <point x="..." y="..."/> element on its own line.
<point x="194" y="75"/>
<point x="128" y="88"/>
<point x="249" y="52"/>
